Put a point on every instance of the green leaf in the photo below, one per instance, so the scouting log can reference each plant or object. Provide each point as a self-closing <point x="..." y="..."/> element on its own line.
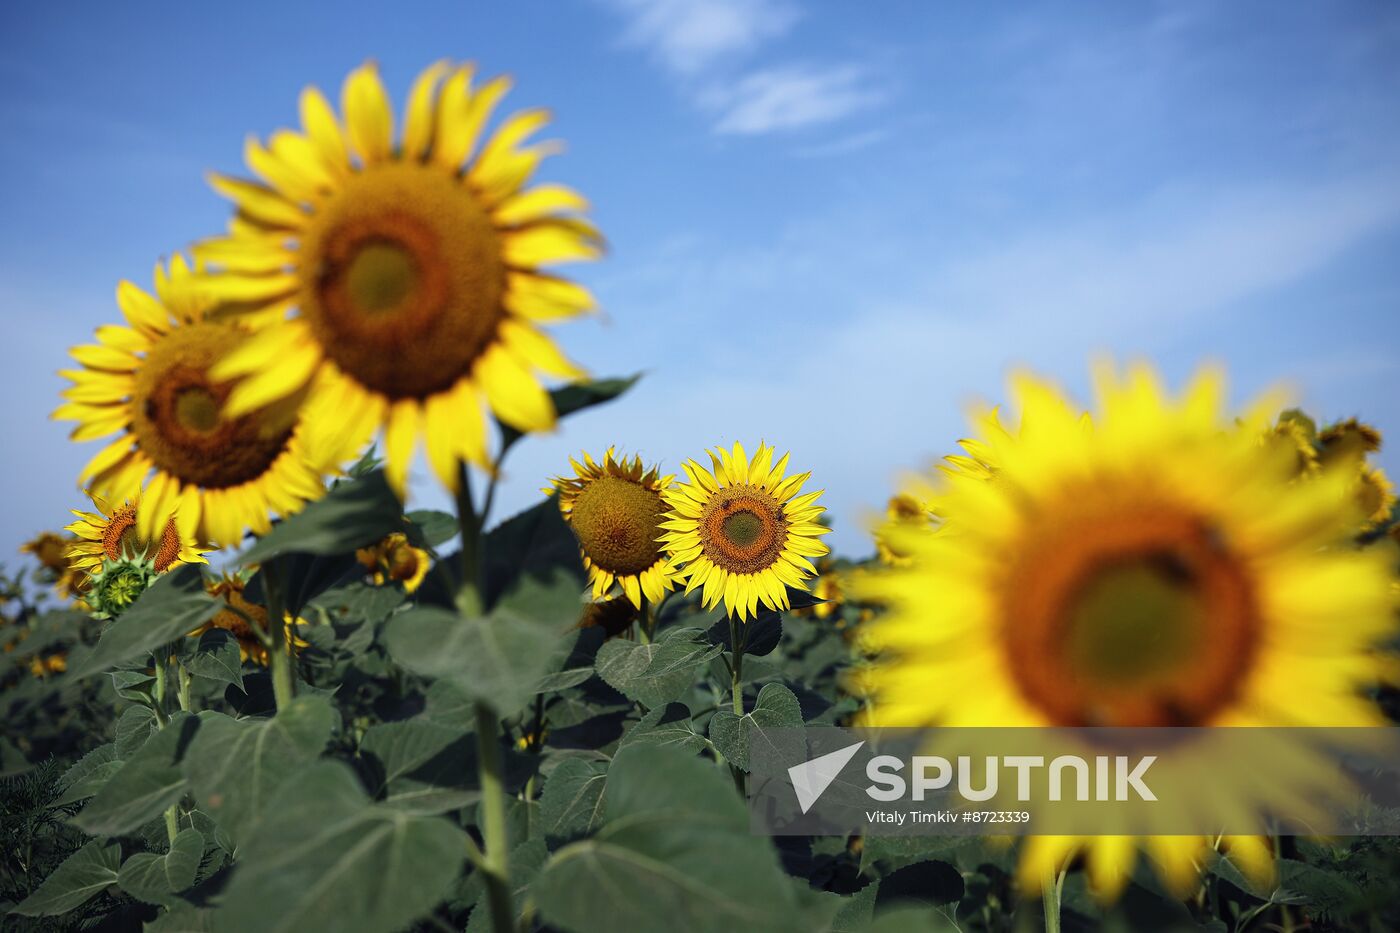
<point x="420" y="764"/>
<point x="353" y="514"/>
<point x="572" y="802"/>
<point x="333" y="857"/>
<point x="665" y="725"/>
<point x="657" y="673"/>
<point x="216" y="656"/>
<point x="531" y="559"/>
<point x="1328" y="893"/>
<point x="88" y="774"/>
<point x="148" y="782"/>
<point x="175" y="605"/>
<point x="155" y="878"/>
<point x="563" y="680"/>
<point x="134" y="726"/>
<point x="576" y="397"/>
<point x="674" y="853"/>
<point x="499" y="659"/>
<point x="526" y="860"/>
<point x="235" y="765"/>
<point x="82" y="875"/>
<point x="437" y="527"/>
<point x="776" y="708"/>
<point x="137" y="686"/>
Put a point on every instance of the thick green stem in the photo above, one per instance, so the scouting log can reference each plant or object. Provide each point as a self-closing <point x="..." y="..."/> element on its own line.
<point x="736" y="639"/>
<point x="172" y="822"/>
<point x="1050" y="890"/>
<point x="496" y="867"/>
<point x="183" y="681"/>
<point x="470" y="601"/>
<point x="279" y="654"/>
<point x="161" y="657"/>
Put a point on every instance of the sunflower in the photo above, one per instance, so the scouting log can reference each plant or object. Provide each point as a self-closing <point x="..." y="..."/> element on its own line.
<point x="240" y="616"/>
<point x="905" y="513"/>
<point x="113" y="533"/>
<point x="742" y="531"/>
<point x="615" y="510"/>
<point x="1160" y="523"/>
<point x="828" y="587"/>
<point x="400" y="281"/>
<point x="395" y="559"/>
<point x="149" y="382"/>
<point x="613" y="616"/>
<point x="51" y="550"/>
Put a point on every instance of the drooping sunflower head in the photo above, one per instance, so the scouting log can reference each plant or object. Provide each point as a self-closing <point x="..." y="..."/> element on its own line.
<point x="245" y="620"/>
<point x="178" y="448"/>
<point x="113" y="533"/>
<point x="741" y="531"/>
<point x="413" y="266"/>
<point x="1157" y="566"/>
<point x="395" y="559"/>
<point x="615" y="509"/>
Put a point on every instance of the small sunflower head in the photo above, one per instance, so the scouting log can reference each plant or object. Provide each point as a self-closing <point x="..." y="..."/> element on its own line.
<point x="394" y="559"/>
<point x="1294" y="435"/>
<point x="613" y="616"/>
<point x="615" y="509"/>
<point x="119" y="583"/>
<point x="1348" y="439"/>
<point x="1376" y="495"/>
<point x="50" y="550"/>
<point x="905" y="515"/>
<point x="239" y="618"/>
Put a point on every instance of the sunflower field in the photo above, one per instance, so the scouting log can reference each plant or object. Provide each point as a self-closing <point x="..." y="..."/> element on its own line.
<point x="253" y="687"/>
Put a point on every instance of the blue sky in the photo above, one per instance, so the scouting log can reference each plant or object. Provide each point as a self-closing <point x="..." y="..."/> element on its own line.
<point x="832" y="226"/>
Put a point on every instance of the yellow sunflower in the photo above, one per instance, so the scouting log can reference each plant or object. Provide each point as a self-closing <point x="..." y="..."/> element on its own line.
<point x="150" y="383"/>
<point x="615" y="510"/>
<point x="904" y="513"/>
<point x="51" y="550"/>
<point x="741" y="530"/>
<point x="241" y="615"/>
<point x="113" y="533"/>
<point x="1163" y="523"/>
<point x="401" y="281"/>
<point x="395" y="559"/>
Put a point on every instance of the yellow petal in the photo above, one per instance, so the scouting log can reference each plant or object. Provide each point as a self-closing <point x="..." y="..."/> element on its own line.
<point x="539" y="297"/>
<point x="551" y="242"/>
<point x="440" y="430"/>
<point x="259" y="202"/>
<point x="105" y="458"/>
<point x="400" y="435"/>
<point x="322" y="128"/>
<point x="515" y="395"/>
<point x="536" y="350"/>
<point x="368" y="117"/>
<point x="418" y="121"/>
<point x="540" y="201"/>
<point x="292" y="371"/>
<point x="141" y="309"/>
<point x="101" y="357"/>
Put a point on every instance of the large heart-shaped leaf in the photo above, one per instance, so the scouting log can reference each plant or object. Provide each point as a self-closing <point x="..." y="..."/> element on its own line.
<point x="156" y="878"/>
<point x="776" y="709"/>
<point x="235" y="765"/>
<point x="657" y="673"/>
<point x="83" y="875"/>
<point x="148" y="782"/>
<point x="674" y="853"/>
<point x="331" y="852"/>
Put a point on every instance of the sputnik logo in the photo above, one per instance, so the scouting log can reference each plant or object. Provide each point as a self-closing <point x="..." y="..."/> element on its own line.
<point x="811" y="778"/>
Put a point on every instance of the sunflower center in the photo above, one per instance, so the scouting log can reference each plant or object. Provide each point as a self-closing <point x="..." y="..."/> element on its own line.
<point x="1130" y="616"/>
<point x="617" y="523"/>
<point x="177" y="415"/>
<point x="380" y="276"/>
<point x="120" y="541"/>
<point x="742" y="529"/>
<point x="402" y="279"/>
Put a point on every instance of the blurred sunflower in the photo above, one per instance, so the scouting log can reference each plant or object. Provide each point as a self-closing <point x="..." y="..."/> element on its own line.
<point x="615" y="510"/>
<point x="113" y="533"/>
<point x="1156" y="566"/>
<point x="829" y="589"/>
<point x="51" y="550"/>
<point x="395" y="559"/>
<point x="613" y="616"/>
<point x="742" y="531"/>
<point x="240" y="617"/>
<point x="904" y="513"/>
<point x="178" y="449"/>
<point x="55" y="662"/>
<point x="412" y="269"/>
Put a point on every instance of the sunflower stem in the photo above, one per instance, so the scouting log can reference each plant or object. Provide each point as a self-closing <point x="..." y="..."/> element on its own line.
<point x="183" y="680"/>
<point x="469" y="592"/>
<point x="1050" y="891"/>
<point x="279" y="653"/>
<point x="496" y="855"/>
<point x="736" y="679"/>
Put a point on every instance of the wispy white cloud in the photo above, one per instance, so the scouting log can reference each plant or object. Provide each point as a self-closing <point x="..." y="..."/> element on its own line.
<point x="790" y="97"/>
<point x="703" y="44"/>
<point x="687" y="36"/>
